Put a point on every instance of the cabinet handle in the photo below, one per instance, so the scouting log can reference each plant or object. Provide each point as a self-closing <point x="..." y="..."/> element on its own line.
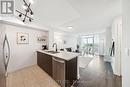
<point x="60" y="61"/>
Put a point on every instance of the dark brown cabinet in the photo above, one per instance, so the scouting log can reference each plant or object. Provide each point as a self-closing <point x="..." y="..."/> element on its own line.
<point x="62" y="71"/>
<point x="44" y="61"/>
<point x="71" y="71"/>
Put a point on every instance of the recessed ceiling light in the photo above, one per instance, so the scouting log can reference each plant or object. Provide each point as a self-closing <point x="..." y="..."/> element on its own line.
<point x="70" y="27"/>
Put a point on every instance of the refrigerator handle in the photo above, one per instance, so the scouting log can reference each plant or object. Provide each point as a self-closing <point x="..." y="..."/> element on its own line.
<point x="4" y="52"/>
<point x="6" y="56"/>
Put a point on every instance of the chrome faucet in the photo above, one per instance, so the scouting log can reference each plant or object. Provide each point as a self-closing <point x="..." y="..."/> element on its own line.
<point x="54" y="44"/>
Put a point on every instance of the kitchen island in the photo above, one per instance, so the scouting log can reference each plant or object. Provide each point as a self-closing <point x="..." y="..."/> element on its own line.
<point x="61" y="66"/>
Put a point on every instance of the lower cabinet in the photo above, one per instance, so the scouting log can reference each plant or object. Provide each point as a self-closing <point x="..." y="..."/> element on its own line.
<point x="71" y="72"/>
<point x="44" y="61"/>
<point x="62" y="71"/>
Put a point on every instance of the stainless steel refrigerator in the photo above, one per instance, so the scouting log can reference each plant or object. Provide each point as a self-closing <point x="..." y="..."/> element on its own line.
<point x="4" y="56"/>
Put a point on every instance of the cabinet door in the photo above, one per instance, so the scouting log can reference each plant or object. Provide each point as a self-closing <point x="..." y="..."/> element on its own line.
<point x="71" y="71"/>
<point x="44" y="61"/>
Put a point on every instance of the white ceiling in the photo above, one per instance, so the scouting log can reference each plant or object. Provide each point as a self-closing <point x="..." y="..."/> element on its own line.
<point x="95" y="15"/>
<point x="83" y="15"/>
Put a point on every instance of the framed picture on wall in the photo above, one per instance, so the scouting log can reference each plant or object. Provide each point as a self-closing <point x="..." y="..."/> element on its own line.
<point x="42" y="39"/>
<point x="22" y="38"/>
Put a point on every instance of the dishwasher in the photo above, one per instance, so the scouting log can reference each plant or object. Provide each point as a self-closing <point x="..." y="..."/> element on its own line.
<point x="59" y="71"/>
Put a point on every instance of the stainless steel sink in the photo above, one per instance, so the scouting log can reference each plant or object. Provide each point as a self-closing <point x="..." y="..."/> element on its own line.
<point x="53" y="52"/>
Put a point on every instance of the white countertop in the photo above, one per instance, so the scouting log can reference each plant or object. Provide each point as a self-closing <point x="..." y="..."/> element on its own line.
<point x="62" y="55"/>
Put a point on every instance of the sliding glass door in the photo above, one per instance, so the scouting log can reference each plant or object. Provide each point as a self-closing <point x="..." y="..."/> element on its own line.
<point x="87" y="45"/>
<point x="90" y="45"/>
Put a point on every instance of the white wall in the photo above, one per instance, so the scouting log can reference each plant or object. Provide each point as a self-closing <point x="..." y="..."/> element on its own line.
<point x="25" y="54"/>
<point x="51" y="38"/>
<point x="108" y="40"/>
<point x="126" y="44"/>
<point x="105" y="39"/>
<point x="72" y="42"/>
<point x="102" y="43"/>
<point x="60" y="37"/>
<point x="117" y="38"/>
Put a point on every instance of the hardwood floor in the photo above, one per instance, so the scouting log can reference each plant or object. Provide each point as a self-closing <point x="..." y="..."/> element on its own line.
<point x="30" y="77"/>
<point x="98" y="74"/>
